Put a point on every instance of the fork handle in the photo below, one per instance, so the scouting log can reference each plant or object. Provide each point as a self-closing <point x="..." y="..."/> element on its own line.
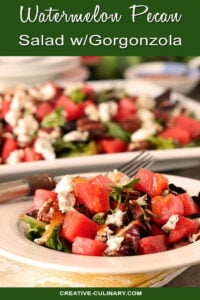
<point x="26" y="186"/>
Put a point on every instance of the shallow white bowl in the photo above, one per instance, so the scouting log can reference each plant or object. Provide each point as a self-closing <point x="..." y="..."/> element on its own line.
<point x="14" y="245"/>
<point x="176" y="76"/>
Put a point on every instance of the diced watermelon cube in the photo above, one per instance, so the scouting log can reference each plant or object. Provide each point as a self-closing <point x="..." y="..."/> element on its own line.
<point x="176" y="134"/>
<point x="192" y="126"/>
<point x="31" y="155"/>
<point x="8" y="147"/>
<point x="184" y="227"/>
<point x="85" y="246"/>
<point x="73" y="110"/>
<point x="111" y="145"/>
<point x="5" y="106"/>
<point x="166" y="206"/>
<point x="43" y="110"/>
<point x="78" y="225"/>
<point x="103" y="180"/>
<point x="126" y="110"/>
<point x="156" y="230"/>
<point x="190" y="207"/>
<point x="152" y="244"/>
<point x="41" y="196"/>
<point x="94" y="196"/>
<point x="151" y="183"/>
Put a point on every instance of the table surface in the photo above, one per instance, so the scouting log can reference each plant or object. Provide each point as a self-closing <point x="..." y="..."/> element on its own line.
<point x="190" y="277"/>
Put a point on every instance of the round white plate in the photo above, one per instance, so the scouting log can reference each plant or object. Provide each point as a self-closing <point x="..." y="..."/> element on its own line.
<point x="14" y="245"/>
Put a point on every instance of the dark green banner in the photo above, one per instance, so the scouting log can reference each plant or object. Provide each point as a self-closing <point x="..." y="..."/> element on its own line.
<point x="97" y="293"/>
<point x="99" y="27"/>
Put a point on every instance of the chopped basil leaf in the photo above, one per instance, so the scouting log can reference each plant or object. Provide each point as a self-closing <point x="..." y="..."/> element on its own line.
<point x="117" y="191"/>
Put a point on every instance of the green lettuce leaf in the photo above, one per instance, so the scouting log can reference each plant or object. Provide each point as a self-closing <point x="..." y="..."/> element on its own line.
<point x="36" y="227"/>
<point x="54" y="119"/>
<point x="156" y="142"/>
<point x="118" y="132"/>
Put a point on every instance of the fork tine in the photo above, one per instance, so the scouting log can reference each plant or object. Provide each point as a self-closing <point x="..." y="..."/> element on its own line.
<point x="144" y="164"/>
<point x="141" y="156"/>
<point x="135" y="163"/>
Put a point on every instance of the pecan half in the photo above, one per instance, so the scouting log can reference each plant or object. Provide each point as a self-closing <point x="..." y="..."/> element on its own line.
<point x="46" y="212"/>
<point x="95" y="129"/>
<point x="129" y="125"/>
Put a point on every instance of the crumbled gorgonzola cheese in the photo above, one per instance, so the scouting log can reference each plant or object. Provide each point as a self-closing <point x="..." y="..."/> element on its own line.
<point x="92" y="112"/>
<point x="114" y="244"/>
<point x="118" y="178"/>
<point x="66" y="199"/>
<point x="25" y="129"/>
<point x="171" y="223"/>
<point x="44" y="147"/>
<point x="76" y="136"/>
<point x="107" y="110"/>
<point x="116" y="218"/>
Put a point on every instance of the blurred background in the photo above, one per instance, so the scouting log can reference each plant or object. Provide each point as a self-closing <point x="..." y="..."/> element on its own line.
<point x="180" y="73"/>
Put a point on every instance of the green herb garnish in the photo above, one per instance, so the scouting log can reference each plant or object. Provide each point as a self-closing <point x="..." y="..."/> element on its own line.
<point x="118" y="191"/>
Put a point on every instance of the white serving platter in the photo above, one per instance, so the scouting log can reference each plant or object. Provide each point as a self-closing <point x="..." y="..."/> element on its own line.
<point x="166" y="159"/>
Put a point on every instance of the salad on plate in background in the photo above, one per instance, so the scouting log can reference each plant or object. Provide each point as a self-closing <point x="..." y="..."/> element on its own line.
<point x="49" y="122"/>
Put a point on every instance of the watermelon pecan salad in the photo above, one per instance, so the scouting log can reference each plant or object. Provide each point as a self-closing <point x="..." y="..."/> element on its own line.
<point x="114" y="215"/>
<point x="49" y="122"/>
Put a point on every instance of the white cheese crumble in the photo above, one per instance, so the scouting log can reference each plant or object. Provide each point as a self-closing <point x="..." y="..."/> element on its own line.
<point x="47" y="92"/>
<point x="148" y="128"/>
<point x="107" y="110"/>
<point x="22" y="100"/>
<point x="25" y="129"/>
<point x="118" y="178"/>
<point x="146" y="102"/>
<point x="15" y="157"/>
<point x="171" y="223"/>
<point x="44" y="147"/>
<point x="12" y="117"/>
<point x="66" y="199"/>
<point x="145" y="115"/>
<point x="116" y="218"/>
<point x="92" y="112"/>
<point x="76" y="136"/>
<point x="192" y="238"/>
<point x="114" y="244"/>
<point x="103" y="234"/>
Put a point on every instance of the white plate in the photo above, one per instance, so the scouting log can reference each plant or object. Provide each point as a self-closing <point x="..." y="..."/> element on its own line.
<point x="14" y="245"/>
<point x="33" y="71"/>
<point x="167" y="159"/>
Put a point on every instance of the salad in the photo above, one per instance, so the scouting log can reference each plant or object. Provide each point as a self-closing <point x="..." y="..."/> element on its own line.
<point x="49" y="122"/>
<point x="114" y="215"/>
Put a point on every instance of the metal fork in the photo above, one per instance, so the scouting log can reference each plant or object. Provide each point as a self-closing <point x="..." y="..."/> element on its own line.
<point x="143" y="160"/>
<point x="27" y="186"/>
